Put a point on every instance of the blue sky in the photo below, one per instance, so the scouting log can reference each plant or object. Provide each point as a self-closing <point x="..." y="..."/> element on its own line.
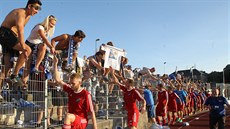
<point x="182" y="33"/>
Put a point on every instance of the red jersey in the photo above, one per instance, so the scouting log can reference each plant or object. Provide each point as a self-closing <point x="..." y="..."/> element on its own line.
<point x="172" y="104"/>
<point x="79" y="103"/>
<point x="161" y="108"/>
<point x="162" y="97"/>
<point x="130" y="98"/>
<point x="192" y="97"/>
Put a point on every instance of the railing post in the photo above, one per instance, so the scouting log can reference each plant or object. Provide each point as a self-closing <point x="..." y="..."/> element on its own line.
<point x="107" y="101"/>
<point x="46" y="104"/>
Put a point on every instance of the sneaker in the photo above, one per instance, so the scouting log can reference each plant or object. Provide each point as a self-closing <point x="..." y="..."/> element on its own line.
<point x="60" y="122"/>
<point x="35" y="70"/>
<point x="5" y="86"/>
<point x="19" y="124"/>
<point x="179" y="120"/>
<point x="52" y="121"/>
<point x="38" y="125"/>
<point x="16" y="80"/>
<point x="185" y="124"/>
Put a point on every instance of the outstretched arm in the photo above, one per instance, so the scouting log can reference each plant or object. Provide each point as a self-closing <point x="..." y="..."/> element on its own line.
<point x="44" y="38"/>
<point x="56" y="73"/>
<point x="114" y="77"/>
<point x="143" y="109"/>
<point x="62" y="40"/>
<point x="141" y="99"/>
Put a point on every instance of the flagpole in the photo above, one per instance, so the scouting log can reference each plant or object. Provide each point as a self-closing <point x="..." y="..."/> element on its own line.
<point x="176" y="70"/>
<point x="191" y="70"/>
<point x="96" y="44"/>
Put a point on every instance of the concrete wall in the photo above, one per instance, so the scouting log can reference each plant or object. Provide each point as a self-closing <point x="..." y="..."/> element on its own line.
<point x="101" y="124"/>
<point x="143" y="121"/>
<point x="119" y="120"/>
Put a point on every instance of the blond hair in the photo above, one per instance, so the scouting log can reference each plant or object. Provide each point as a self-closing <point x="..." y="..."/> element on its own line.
<point x="75" y="76"/>
<point x="130" y="81"/>
<point x="45" y="24"/>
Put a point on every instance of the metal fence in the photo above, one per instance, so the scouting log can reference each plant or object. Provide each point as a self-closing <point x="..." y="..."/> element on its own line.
<point x="41" y="104"/>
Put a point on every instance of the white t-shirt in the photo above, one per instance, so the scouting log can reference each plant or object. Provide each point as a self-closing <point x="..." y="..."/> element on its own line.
<point x="35" y="37"/>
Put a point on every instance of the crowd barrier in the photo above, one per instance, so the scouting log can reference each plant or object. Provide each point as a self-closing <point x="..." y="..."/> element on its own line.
<point x="24" y="106"/>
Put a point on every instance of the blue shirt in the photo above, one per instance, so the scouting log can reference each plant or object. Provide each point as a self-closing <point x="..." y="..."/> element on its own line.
<point x="217" y="105"/>
<point x="148" y="97"/>
<point x="182" y="94"/>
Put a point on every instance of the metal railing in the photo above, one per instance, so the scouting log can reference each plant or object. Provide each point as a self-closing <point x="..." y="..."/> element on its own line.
<point x="29" y="107"/>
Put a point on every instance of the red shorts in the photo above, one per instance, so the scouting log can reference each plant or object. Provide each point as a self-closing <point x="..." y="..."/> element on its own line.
<point x="133" y="118"/>
<point x="79" y="123"/>
<point x="180" y="107"/>
<point x="160" y="111"/>
<point x="191" y="104"/>
<point x="172" y="108"/>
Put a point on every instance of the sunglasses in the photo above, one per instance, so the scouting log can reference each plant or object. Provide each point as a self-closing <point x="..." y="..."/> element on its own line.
<point x="51" y="16"/>
<point x="36" y="7"/>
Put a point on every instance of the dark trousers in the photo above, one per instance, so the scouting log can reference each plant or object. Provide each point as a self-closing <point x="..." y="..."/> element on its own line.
<point x="213" y="120"/>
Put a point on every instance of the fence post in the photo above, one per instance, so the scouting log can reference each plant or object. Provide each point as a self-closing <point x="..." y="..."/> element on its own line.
<point x="107" y="101"/>
<point x="46" y="103"/>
